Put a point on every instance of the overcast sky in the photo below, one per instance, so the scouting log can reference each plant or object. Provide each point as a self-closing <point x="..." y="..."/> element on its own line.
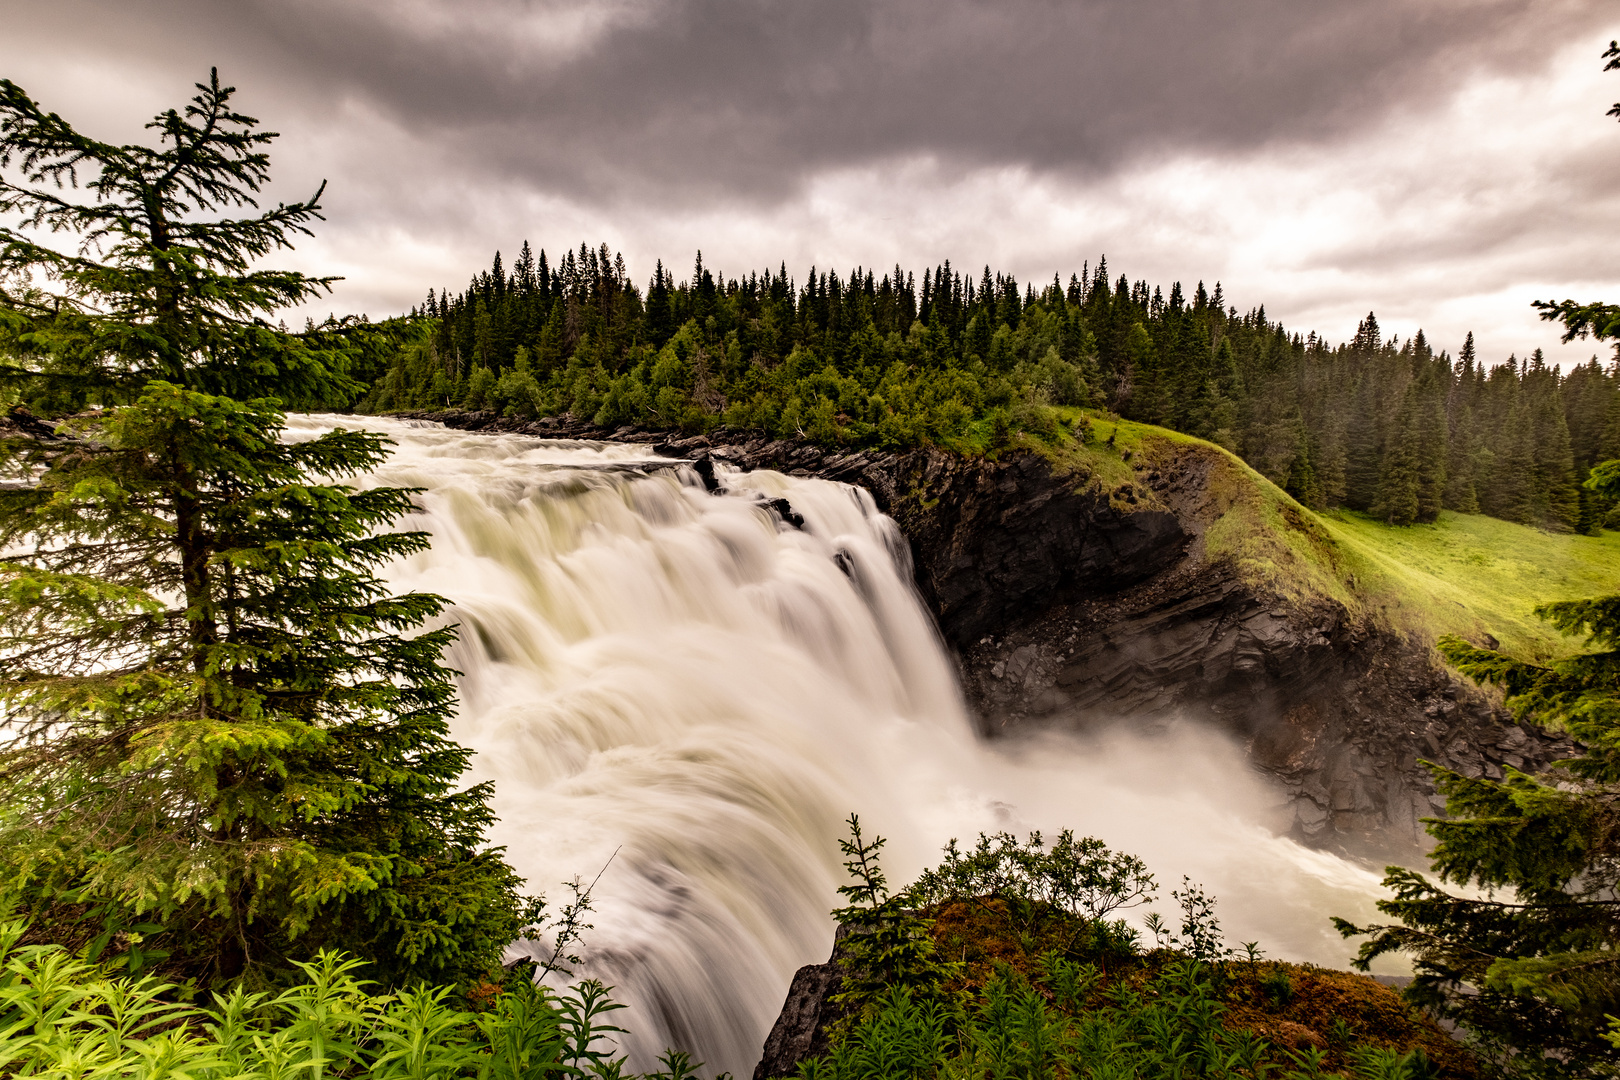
<point x="1442" y="162"/>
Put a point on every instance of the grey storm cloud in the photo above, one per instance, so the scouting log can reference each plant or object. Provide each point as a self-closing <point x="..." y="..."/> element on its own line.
<point x="1443" y="162"/>
<point x="746" y="98"/>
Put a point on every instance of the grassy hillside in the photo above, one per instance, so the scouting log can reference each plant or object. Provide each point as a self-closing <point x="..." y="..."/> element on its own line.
<point x="1466" y="574"/>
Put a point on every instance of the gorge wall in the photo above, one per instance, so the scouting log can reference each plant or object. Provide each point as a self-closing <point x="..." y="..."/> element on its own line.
<point x="1074" y="604"/>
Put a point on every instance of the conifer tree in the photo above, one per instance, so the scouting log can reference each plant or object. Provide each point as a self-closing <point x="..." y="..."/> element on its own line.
<point x="219" y="722"/>
<point x="1557" y="494"/>
<point x="1301" y="483"/>
<point x="1432" y="443"/>
<point x="161" y="286"/>
<point x="1461" y="492"/>
<point x="219" y="725"/>
<point x="1532" y="966"/>
<point x="1508" y="493"/>
<point x="1586" y="394"/>
<point x="1140" y="391"/>
<point x="1362" y="450"/>
<point x="1397" y="501"/>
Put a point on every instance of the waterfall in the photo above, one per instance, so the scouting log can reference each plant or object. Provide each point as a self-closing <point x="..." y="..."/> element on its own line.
<point x="692" y="683"/>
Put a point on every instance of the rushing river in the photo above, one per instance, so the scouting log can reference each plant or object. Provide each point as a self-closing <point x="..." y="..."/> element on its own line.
<point x="688" y="681"/>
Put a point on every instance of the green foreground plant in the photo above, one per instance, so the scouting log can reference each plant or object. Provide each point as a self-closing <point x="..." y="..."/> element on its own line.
<point x="63" y="1016"/>
<point x="1170" y="1028"/>
<point x="905" y="1013"/>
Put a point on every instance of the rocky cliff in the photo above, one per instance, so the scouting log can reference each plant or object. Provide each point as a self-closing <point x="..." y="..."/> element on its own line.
<point x="1075" y="601"/>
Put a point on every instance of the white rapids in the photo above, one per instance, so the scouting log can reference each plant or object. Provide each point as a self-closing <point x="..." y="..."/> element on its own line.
<point x="688" y="681"/>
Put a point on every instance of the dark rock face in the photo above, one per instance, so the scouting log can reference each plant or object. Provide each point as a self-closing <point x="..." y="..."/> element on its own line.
<point x="995" y="541"/>
<point x="1337" y="713"/>
<point x="1069" y="608"/>
<point x="801" y="1030"/>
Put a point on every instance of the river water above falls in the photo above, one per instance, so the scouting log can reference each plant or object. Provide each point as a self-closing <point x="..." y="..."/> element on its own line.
<point x="692" y="682"/>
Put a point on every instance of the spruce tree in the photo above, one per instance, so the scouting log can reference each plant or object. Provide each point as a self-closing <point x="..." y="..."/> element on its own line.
<point x="1553" y="500"/>
<point x="1362" y="448"/>
<point x="219" y="721"/>
<point x="162" y="284"/>
<point x="1148" y="399"/>
<point x="1461" y="492"/>
<point x="1558" y="494"/>
<point x="1432" y="442"/>
<point x="1400" y="475"/>
<point x="220" y="728"/>
<point x="1508" y="491"/>
<point x="1301" y="482"/>
<point x="1532" y="963"/>
<point x="1608" y="445"/>
<point x="1586" y="394"/>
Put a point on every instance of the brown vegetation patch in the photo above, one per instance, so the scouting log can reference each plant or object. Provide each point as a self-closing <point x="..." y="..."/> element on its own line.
<point x="1291" y="1006"/>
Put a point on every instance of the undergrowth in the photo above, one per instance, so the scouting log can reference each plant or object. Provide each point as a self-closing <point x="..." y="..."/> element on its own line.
<point x="1020" y="972"/>
<point x="1005" y="961"/>
<point x="63" y="1017"/>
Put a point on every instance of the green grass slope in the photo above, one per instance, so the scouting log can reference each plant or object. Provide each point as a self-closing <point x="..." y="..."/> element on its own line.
<point x="1466" y="574"/>
<point x="1470" y="574"/>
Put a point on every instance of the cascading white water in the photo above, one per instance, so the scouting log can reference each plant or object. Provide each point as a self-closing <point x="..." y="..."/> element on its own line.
<point x="690" y="682"/>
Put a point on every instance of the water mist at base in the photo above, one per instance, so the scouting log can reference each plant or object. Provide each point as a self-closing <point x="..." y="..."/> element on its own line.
<point x="691" y="682"/>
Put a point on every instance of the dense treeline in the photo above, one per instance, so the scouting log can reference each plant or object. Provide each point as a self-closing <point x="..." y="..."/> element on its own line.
<point x="878" y="359"/>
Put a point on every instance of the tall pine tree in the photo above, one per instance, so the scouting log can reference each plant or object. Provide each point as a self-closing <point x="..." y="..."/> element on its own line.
<point x="220" y="726"/>
<point x="162" y="283"/>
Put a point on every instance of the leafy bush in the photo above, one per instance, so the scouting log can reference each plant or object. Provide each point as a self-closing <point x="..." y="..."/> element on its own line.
<point x="1039" y="982"/>
<point x="1080" y="878"/>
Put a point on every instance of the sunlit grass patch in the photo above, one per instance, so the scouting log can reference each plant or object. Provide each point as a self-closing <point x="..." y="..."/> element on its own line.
<point x="1474" y="575"/>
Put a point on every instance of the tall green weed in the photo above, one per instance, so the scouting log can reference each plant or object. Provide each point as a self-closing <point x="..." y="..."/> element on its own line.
<point x="64" y="1017"/>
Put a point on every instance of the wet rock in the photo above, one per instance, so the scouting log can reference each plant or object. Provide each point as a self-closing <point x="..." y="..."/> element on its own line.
<point x="784" y="510"/>
<point x="801" y="1028"/>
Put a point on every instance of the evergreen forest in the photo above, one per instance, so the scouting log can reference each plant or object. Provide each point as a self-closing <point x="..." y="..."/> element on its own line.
<point x="1384" y="426"/>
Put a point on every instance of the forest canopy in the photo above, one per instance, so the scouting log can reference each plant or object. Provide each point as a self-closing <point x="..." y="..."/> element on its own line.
<point x="880" y="359"/>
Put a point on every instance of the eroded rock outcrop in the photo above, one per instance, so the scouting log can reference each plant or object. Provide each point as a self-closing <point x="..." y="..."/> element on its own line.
<point x="800" y="1030"/>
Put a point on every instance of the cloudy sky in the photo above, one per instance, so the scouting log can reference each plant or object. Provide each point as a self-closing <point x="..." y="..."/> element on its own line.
<point x="1442" y="162"/>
